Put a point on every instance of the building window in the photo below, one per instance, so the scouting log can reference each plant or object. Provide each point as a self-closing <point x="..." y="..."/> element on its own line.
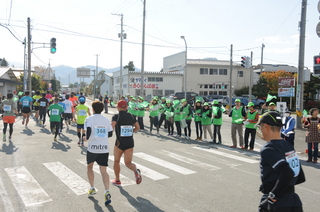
<point x="203" y="71"/>
<point x="157" y="92"/>
<point x="224" y="93"/>
<point x="159" y="79"/>
<point x="210" y="86"/>
<point x="213" y="71"/>
<point x="138" y="92"/>
<point x="205" y="86"/>
<point x="218" y="86"/>
<point x="168" y="92"/>
<point x="240" y="73"/>
<point x="203" y="93"/>
<point x="225" y="86"/>
<point x="223" y="71"/>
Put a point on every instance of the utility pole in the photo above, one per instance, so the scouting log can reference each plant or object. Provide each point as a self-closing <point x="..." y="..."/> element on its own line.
<point x="25" y="73"/>
<point x="261" y="59"/>
<point x="142" y="57"/>
<point x="230" y="84"/>
<point x="251" y="74"/>
<point x="95" y="78"/>
<point x="29" y="57"/>
<point x="300" y="89"/>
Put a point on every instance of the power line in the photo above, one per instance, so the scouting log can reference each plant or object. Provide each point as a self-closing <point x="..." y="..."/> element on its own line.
<point x="11" y="32"/>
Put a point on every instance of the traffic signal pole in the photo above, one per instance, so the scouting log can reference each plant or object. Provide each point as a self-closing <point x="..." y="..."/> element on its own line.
<point x="300" y="89"/>
<point x="230" y="84"/>
<point x="29" y="57"/>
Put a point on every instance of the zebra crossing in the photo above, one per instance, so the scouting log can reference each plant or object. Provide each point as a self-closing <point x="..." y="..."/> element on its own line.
<point x="159" y="166"/>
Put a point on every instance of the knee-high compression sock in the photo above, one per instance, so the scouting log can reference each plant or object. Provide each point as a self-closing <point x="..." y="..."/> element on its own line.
<point x="79" y="134"/>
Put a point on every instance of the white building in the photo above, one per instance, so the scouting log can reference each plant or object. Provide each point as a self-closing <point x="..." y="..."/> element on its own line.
<point x="8" y="79"/>
<point x="107" y="86"/>
<point x="208" y="76"/>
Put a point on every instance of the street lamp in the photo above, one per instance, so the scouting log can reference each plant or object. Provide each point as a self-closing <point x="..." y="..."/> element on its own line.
<point x="185" y="70"/>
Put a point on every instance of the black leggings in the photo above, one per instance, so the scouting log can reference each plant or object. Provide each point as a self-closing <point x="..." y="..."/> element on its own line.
<point x="170" y="126"/>
<point x="43" y="114"/>
<point x="216" y="130"/>
<point x="5" y="125"/>
<point x="163" y="118"/>
<point x="188" y="128"/>
<point x="55" y="124"/>
<point x="140" y="121"/>
<point x="198" y="128"/>
<point x="178" y="126"/>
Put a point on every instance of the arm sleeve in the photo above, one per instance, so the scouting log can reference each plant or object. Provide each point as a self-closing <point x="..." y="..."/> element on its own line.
<point x="230" y="115"/>
<point x="292" y="124"/>
<point x="244" y="112"/>
<point x="219" y="114"/>
<point x="88" y="130"/>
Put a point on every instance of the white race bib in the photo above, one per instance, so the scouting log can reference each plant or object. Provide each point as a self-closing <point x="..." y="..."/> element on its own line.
<point x="42" y="104"/>
<point x="82" y="112"/>
<point x="55" y="112"/>
<point x="7" y="108"/>
<point x="294" y="162"/>
<point x="25" y="103"/>
<point x="126" y="130"/>
<point x="100" y="131"/>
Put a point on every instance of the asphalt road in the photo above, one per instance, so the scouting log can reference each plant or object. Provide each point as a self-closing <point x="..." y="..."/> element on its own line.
<point x="39" y="174"/>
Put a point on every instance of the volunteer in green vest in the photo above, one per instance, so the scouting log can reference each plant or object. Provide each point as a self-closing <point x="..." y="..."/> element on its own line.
<point x="252" y="118"/>
<point x="187" y="115"/>
<point x="271" y="107"/>
<point x="198" y="119"/>
<point x="161" y="111"/>
<point x="177" y="119"/>
<point x="169" y="111"/>
<point x="237" y="114"/>
<point x="55" y="111"/>
<point x="217" y="121"/>
<point x="82" y="112"/>
<point x="140" y="112"/>
<point x="206" y="121"/>
<point x="131" y="106"/>
<point x="154" y="115"/>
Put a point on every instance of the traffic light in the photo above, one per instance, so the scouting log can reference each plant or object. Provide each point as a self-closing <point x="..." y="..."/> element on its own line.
<point x="214" y="85"/>
<point x="316" y="65"/>
<point x="244" y="62"/>
<point x="222" y="85"/>
<point x="53" y="45"/>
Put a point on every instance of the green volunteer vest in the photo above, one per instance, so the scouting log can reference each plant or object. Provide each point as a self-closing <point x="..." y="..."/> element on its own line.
<point x="236" y="115"/>
<point x="177" y="116"/>
<point x="197" y="117"/>
<point x="140" y="112"/>
<point x="155" y="112"/>
<point x="216" y="121"/>
<point x="205" y="119"/>
<point x="186" y="112"/>
<point x="251" y="117"/>
<point x="131" y="108"/>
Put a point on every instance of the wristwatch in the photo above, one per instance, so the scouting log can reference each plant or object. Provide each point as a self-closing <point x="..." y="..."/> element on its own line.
<point x="272" y="196"/>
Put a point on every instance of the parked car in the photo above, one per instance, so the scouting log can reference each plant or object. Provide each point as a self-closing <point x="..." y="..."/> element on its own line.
<point x="245" y="101"/>
<point x="180" y="95"/>
<point x="211" y="98"/>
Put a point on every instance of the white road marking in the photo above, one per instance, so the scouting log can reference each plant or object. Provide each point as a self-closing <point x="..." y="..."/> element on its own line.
<point x="164" y="163"/>
<point x="78" y="185"/>
<point x="247" y="160"/>
<point x="145" y="171"/>
<point x="190" y="161"/>
<point x="125" y="181"/>
<point x="27" y="187"/>
<point x="5" y="198"/>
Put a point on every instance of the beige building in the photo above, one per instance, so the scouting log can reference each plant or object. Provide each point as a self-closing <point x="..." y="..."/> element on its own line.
<point x="208" y="76"/>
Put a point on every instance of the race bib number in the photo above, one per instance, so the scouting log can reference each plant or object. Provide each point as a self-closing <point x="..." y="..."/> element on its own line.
<point x="42" y="104"/>
<point x="7" y="108"/>
<point x="100" y="131"/>
<point x="294" y="162"/>
<point x="55" y="112"/>
<point x="126" y="130"/>
<point x="82" y="112"/>
<point x="25" y="103"/>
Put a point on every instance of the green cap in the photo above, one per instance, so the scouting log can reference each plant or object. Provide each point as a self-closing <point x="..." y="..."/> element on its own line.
<point x="215" y="102"/>
<point x="250" y="104"/>
<point x="272" y="103"/>
<point x="237" y="100"/>
<point x="206" y="104"/>
<point x="168" y="101"/>
<point x="154" y="99"/>
<point x="163" y="97"/>
<point x="198" y="101"/>
<point x="183" y="100"/>
<point x="134" y="99"/>
<point x="140" y="97"/>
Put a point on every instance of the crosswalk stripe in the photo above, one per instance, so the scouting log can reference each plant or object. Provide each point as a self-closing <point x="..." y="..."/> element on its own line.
<point x="190" y="161"/>
<point x="78" y="185"/>
<point x="247" y="160"/>
<point x="27" y="187"/>
<point x="125" y="181"/>
<point x="164" y="163"/>
<point x="5" y="198"/>
<point x="154" y="175"/>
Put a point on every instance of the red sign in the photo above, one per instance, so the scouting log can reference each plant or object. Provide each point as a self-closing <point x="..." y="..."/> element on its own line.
<point x="286" y="81"/>
<point x="152" y="86"/>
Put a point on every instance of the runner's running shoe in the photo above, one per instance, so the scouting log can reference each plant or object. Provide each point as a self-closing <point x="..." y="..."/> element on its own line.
<point x="138" y="176"/>
<point x="4" y="138"/>
<point x="55" y="139"/>
<point x="116" y="182"/>
<point x="91" y="192"/>
<point x="107" y="198"/>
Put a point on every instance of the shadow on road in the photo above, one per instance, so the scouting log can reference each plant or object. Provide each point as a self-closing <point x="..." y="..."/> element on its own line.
<point x="60" y="146"/>
<point x="140" y="204"/>
<point x="98" y="208"/>
<point x="9" y="149"/>
<point x="27" y="131"/>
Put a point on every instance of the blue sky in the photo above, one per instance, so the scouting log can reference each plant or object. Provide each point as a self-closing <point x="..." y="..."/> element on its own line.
<point x="85" y="28"/>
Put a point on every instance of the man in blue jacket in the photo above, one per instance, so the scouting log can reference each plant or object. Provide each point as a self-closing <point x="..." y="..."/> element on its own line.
<point x="287" y="131"/>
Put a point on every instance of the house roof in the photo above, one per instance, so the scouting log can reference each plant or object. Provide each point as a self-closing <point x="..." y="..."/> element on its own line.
<point x="210" y="62"/>
<point x="155" y="73"/>
<point x="11" y="81"/>
<point x="9" y="71"/>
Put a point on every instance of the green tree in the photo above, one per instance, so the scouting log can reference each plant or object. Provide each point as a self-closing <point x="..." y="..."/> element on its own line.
<point x="161" y="70"/>
<point x="311" y="88"/>
<point x="241" y="91"/>
<point x="260" y="90"/>
<point x="130" y="66"/>
<point x="4" y="63"/>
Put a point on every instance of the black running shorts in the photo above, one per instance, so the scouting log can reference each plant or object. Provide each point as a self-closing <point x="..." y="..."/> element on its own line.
<point x="123" y="145"/>
<point x="101" y="159"/>
<point x="26" y="110"/>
